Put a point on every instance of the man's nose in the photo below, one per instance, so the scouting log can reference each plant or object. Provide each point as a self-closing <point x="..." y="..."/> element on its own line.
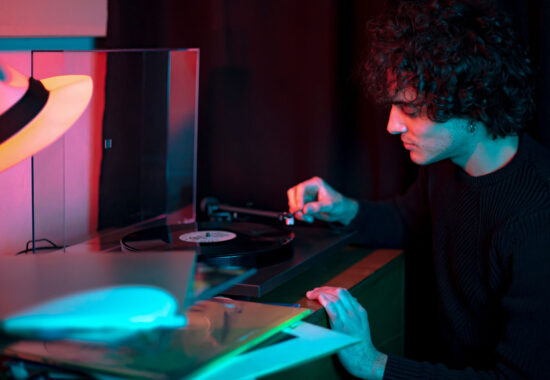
<point x="395" y="124"/>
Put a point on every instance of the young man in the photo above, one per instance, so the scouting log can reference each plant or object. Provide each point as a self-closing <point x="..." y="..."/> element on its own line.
<point x="460" y="93"/>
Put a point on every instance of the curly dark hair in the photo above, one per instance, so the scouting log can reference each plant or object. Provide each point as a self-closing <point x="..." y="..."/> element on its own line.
<point x="462" y="58"/>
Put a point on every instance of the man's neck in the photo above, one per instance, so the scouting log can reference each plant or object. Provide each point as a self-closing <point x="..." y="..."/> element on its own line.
<point x="488" y="155"/>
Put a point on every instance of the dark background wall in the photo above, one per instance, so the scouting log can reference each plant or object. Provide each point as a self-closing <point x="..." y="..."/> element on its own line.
<point x="278" y="99"/>
<point x="279" y="102"/>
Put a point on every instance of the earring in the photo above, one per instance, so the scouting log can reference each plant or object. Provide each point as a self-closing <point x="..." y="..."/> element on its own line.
<point x="471" y="126"/>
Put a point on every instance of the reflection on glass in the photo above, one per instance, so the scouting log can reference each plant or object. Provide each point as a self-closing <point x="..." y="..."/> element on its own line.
<point x="130" y="158"/>
<point x="210" y="281"/>
<point x="217" y="330"/>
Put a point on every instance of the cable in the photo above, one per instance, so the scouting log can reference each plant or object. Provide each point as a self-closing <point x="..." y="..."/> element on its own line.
<point x="32" y="248"/>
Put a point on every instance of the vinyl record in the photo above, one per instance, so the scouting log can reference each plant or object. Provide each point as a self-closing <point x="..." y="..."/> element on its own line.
<point x="221" y="244"/>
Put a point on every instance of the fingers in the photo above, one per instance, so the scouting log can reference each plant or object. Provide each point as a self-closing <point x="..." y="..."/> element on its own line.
<point x="335" y="311"/>
<point x="348" y="302"/>
<point x="341" y="306"/>
<point x="319" y="210"/>
<point x="347" y="316"/>
<point x="333" y="291"/>
<point x="315" y="199"/>
<point x="295" y="196"/>
<point x="354" y="308"/>
<point x="304" y="193"/>
<point x="315" y="293"/>
<point x="293" y="204"/>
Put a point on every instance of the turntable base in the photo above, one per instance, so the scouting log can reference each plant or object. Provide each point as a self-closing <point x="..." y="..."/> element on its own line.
<point x="228" y="245"/>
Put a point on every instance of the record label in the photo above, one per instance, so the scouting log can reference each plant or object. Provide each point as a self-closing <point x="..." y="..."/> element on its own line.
<point x="210" y="236"/>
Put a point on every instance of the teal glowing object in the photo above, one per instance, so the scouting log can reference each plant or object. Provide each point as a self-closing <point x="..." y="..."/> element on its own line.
<point x="216" y="331"/>
<point x="104" y="314"/>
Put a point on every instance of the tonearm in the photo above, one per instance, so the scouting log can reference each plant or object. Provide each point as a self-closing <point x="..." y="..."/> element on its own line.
<point x="223" y="212"/>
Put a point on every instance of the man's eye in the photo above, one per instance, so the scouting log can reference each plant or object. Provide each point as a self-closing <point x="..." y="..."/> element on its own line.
<point x="409" y="110"/>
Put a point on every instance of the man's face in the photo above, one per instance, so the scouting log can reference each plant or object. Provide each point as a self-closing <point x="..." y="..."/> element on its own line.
<point x="426" y="140"/>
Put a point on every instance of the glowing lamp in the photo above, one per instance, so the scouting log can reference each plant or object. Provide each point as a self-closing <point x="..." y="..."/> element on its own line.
<point x="35" y="113"/>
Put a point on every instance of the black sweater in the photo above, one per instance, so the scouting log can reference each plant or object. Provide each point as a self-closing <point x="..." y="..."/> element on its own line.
<point x="491" y="253"/>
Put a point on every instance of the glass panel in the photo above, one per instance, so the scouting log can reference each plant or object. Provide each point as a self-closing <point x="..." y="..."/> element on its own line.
<point x="48" y="170"/>
<point x="130" y="158"/>
<point x="15" y="192"/>
<point x="217" y="330"/>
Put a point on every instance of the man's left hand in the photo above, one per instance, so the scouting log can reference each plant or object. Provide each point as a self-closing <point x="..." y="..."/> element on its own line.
<point x="347" y="316"/>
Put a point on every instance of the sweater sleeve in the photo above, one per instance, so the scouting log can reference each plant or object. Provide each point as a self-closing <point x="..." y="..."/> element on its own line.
<point x="390" y="223"/>
<point x="523" y="350"/>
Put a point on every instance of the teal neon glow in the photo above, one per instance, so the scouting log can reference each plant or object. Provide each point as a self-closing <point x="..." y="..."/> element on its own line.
<point x="88" y="315"/>
<point x="46" y="43"/>
<point x="220" y="361"/>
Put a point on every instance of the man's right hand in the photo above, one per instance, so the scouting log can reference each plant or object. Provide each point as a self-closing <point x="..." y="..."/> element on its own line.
<point x="315" y="199"/>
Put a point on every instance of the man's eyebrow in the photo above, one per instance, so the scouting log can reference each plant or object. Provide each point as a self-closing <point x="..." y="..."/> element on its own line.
<point x="401" y="103"/>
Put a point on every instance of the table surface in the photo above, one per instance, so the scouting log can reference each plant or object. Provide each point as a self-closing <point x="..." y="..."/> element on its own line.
<point x="374" y="277"/>
<point x="311" y="245"/>
<point x="346" y="268"/>
<point x="368" y="274"/>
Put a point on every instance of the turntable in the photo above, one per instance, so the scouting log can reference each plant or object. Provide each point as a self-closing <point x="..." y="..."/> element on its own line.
<point x="220" y="244"/>
<point x="276" y="247"/>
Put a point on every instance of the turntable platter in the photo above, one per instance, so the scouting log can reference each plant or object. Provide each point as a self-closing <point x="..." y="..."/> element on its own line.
<point x="232" y="244"/>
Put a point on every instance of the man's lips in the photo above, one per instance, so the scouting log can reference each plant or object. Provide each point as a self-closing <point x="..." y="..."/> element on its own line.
<point x="408" y="145"/>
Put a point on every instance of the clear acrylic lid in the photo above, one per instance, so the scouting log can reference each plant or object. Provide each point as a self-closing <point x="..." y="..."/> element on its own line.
<point x="130" y="158"/>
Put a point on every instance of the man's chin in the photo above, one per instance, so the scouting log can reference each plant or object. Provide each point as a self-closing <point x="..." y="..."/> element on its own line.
<point x="417" y="159"/>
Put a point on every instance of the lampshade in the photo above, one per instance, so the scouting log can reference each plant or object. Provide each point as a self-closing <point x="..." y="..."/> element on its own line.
<point x="35" y="113"/>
